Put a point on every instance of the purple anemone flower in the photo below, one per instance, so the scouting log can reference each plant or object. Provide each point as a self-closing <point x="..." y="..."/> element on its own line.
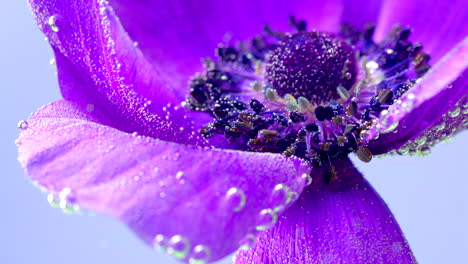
<point x="248" y="149"/>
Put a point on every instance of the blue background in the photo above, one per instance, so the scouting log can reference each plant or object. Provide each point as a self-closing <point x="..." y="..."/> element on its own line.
<point x="427" y="195"/>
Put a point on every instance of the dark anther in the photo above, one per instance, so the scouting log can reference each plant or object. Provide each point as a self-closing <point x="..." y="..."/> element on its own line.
<point x="301" y="25"/>
<point x="228" y="54"/>
<point x="352" y="109"/>
<point x="329" y="174"/>
<point x="349" y="128"/>
<point x="220" y="111"/>
<point x="217" y="78"/>
<point x="296" y="117"/>
<point x="257" y="106"/>
<point x="198" y="94"/>
<point x="405" y="33"/>
<point x="369" y="29"/>
<point x="320" y="113"/>
<point x="312" y="128"/>
<point x="248" y="117"/>
<point x="329" y="113"/>
<point x="384" y="96"/>
<point x="417" y="48"/>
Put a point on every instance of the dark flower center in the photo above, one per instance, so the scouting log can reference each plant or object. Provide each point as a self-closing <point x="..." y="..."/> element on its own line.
<point x="311" y="95"/>
<point x="312" y="64"/>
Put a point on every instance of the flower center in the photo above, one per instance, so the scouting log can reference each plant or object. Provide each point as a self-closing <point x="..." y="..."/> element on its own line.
<point x="311" y="95"/>
<point x="312" y="65"/>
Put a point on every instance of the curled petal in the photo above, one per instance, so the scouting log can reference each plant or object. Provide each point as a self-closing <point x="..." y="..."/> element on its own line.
<point x="344" y="222"/>
<point x="193" y="202"/>
<point x="438" y="25"/>
<point x="432" y="101"/>
<point x="98" y="65"/>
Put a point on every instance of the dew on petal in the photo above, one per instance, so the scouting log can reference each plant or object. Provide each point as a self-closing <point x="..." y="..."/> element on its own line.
<point x="53" y="201"/>
<point x="308" y="179"/>
<point x="248" y="242"/>
<point x="236" y="199"/>
<point x="280" y="197"/>
<point x="160" y="242"/>
<point x="178" y="246"/>
<point x="390" y="128"/>
<point x="266" y="219"/>
<point x="52" y="22"/>
<point x="454" y="112"/>
<point x="402" y="151"/>
<point x="22" y="125"/>
<point x="200" y="255"/>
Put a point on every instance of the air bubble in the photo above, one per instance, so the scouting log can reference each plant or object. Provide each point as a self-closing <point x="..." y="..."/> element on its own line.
<point x="52" y="22"/>
<point x="307" y="178"/>
<point x="421" y="141"/>
<point x="390" y="128"/>
<point x="248" y="242"/>
<point x="160" y="242"/>
<point x="22" y="125"/>
<point x="236" y="199"/>
<point x="200" y="255"/>
<point x="281" y="196"/>
<point x="454" y="112"/>
<point x="178" y="247"/>
<point x="266" y="219"/>
<point x="402" y="151"/>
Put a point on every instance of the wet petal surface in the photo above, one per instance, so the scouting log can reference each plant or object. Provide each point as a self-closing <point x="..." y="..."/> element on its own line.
<point x="439" y="98"/>
<point x="98" y="65"/>
<point x="344" y="222"/>
<point x="195" y="203"/>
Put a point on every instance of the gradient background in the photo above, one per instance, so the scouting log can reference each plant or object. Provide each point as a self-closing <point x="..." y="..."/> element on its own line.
<point x="427" y="195"/>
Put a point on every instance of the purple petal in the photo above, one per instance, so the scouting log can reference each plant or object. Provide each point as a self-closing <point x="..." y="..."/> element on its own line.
<point x="344" y="222"/>
<point x="438" y="25"/>
<point x="360" y="12"/>
<point x="175" y="35"/>
<point x="196" y="196"/>
<point x="99" y="66"/>
<point x="427" y="105"/>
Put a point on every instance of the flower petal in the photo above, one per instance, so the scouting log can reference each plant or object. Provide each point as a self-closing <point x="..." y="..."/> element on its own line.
<point x="360" y="12"/>
<point x="430" y="103"/>
<point x="175" y="35"/>
<point x="344" y="222"/>
<point x="438" y="25"/>
<point x="98" y="65"/>
<point x="205" y="200"/>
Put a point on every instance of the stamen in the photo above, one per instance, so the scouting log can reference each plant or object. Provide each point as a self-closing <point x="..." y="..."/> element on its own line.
<point x="311" y="95"/>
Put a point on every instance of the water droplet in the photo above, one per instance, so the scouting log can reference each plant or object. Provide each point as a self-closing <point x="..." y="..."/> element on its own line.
<point x="307" y="178"/>
<point x="90" y="107"/>
<point x="420" y="141"/>
<point x="402" y="151"/>
<point x="248" y="242"/>
<point x="178" y="247"/>
<point x="53" y="201"/>
<point x="440" y="127"/>
<point x="266" y="219"/>
<point x="236" y="199"/>
<point x="22" y="125"/>
<point x="454" y="112"/>
<point x="280" y="197"/>
<point x="180" y="176"/>
<point x="200" y="255"/>
<point x="52" y="21"/>
<point x="390" y="128"/>
<point x="160" y="242"/>
<point x="425" y="151"/>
